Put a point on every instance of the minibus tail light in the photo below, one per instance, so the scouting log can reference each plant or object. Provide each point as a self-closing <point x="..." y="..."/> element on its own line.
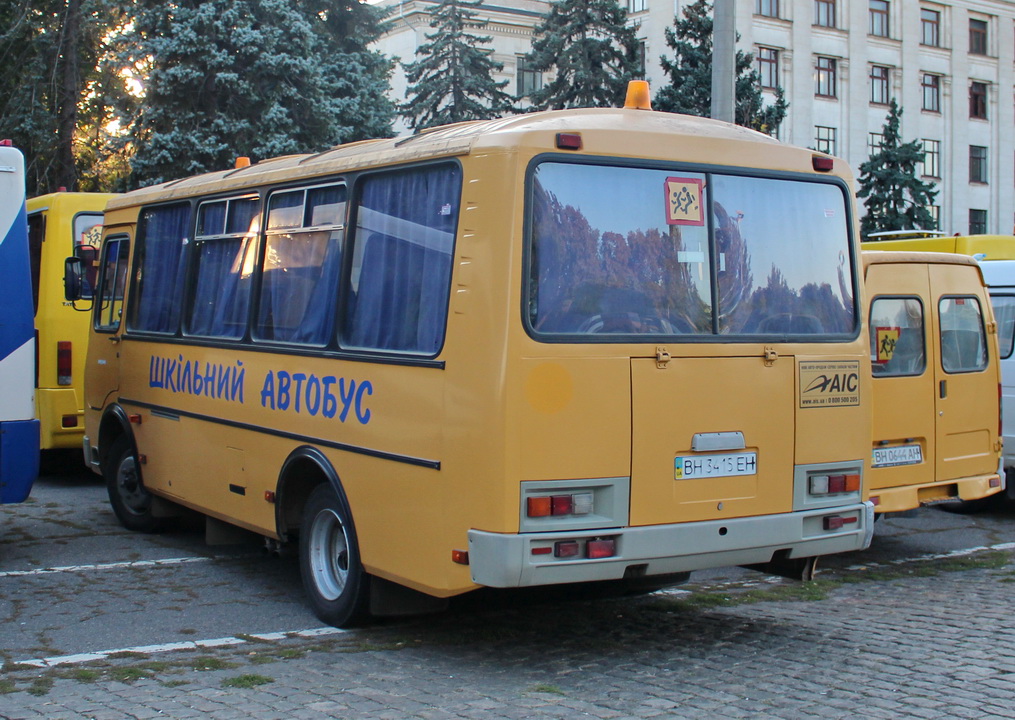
<point x="538" y="507"/>
<point x="559" y="505"/>
<point x="64" y="360"/>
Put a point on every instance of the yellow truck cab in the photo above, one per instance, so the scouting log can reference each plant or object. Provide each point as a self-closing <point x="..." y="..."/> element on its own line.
<point x="936" y="379"/>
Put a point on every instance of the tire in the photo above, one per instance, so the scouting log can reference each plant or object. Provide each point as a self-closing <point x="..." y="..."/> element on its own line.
<point x="333" y="578"/>
<point x="131" y="503"/>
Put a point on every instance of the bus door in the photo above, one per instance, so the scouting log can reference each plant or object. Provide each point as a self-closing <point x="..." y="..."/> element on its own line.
<point x="712" y="436"/>
<point x="107" y="312"/>
<point x="966" y="374"/>
<point x="903" y="362"/>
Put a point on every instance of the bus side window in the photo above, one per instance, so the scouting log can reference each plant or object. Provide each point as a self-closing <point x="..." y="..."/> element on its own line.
<point x="112" y="281"/>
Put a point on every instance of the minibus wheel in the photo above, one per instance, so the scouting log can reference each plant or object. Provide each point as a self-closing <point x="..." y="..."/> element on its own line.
<point x="131" y="503"/>
<point x="333" y="577"/>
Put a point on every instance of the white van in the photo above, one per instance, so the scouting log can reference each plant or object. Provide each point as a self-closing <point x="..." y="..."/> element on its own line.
<point x="1000" y="278"/>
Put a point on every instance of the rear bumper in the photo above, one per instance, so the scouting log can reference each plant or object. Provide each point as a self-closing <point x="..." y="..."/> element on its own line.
<point x="57" y="407"/>
<point x="910" y="497"/>
<point x="507" y="560"/>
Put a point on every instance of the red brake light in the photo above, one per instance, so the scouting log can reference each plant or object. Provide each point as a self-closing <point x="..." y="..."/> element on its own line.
<point x="566" y="548"/>
<point x="569" y="141"/>
<point x="64" y="362"/>
<point x="561" y="505"/>
<point x="600" y="548"/>
<point x="822" y="163"/>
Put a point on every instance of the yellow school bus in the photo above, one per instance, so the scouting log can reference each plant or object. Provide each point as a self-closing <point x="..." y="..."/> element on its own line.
<point x="60" y="224"/>
<point x="934" y="358"/>
<point x="569" y="346"/>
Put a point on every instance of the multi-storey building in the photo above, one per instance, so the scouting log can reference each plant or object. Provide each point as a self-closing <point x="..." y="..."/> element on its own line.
<point x="949" y="64"/>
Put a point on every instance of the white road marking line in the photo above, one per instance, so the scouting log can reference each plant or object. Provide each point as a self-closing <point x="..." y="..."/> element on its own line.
<point x="79" y="658"/>
<point x="109" y="566"/>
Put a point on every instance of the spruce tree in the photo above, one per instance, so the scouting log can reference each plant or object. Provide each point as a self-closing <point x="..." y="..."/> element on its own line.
<point x="260" y="78"/>
<point x="690" y="71"/>
<point x="591" y="48"/>
<point x="895" y="198"/>
<point x="452" y="79"/>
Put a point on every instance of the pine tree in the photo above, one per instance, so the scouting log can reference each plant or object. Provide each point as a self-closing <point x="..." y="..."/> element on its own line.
<point x="690" y="71"/>
<point x="452" y="80"/>
<point x="591" y="48"/>
<point x="895" y="198"/>
<point x="260" y="78"/>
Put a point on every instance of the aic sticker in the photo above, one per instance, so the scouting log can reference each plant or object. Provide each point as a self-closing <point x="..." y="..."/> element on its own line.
<point x="683" y="201"/>
<point x="829" y="383"/>
<point x="887" y="338"/>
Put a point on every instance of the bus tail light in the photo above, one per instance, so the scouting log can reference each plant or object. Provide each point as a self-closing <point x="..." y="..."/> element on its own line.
<point x="558" y="505"/>
<point x="834" y="484"/>
<point x="594" y="548"/>
<point x="602" y="548"/>
<point x="836" y="522"/>
<point x="64" y="360"/>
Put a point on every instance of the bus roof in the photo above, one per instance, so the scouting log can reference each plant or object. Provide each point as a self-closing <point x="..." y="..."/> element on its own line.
<point x="983" y="247"/>
<point x="604" y="131"/>
<point x="884" y="257"/>
<point x="76" y="201"/>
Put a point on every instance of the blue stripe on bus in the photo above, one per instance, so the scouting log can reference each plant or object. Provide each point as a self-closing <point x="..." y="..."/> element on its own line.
<point x="19" y="459"/>
<point x="16" y="321"/>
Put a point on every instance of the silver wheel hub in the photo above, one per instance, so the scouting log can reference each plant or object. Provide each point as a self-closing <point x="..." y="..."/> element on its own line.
<point x="329" y="554"/>
<point x="128" y="485"/>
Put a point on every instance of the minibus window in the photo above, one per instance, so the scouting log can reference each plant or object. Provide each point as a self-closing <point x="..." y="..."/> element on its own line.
<point x="632" y="251"/>
<point x="897" y="337"/>
<point x="1004" y="313"/>
<point x="963" y="343"/>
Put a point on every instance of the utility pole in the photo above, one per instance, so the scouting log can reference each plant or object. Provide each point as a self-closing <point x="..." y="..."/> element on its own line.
<point x="724" y="40"/>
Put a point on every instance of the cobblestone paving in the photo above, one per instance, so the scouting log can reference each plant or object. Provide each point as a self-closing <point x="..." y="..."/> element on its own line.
<point x="928" y="640"/>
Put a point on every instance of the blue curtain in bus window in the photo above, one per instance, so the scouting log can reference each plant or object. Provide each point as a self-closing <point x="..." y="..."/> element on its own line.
<point x="299" y="287"/>
<point x="402" y="263"/>
<point x="222" y="289"/>
<point x="164" y="233"/>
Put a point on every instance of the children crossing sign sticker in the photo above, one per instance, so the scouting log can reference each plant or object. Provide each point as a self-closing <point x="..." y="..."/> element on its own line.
<point x="683" y="201"/>
<point x="887" y="338"/>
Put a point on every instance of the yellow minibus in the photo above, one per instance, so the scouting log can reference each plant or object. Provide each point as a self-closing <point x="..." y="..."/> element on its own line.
<point x="60" y="224"/>
<point x="934" y="358"/>
<point x="563" y="347"/>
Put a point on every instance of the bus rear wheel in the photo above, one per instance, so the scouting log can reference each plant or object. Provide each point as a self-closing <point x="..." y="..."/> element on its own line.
<point x="336" y="585"/>
<point x="131" y="503"/>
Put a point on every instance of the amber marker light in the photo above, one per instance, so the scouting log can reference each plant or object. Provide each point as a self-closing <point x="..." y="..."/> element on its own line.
<point x="242" y="162"/>
<point x="638" y="97"/>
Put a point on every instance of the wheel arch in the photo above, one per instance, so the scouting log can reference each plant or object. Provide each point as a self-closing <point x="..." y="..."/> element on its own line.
<point x="304" y="469"/>
<point x="114" y="424"/>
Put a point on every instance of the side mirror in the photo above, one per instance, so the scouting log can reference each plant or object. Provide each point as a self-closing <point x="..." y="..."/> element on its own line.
<point x="73" y="279"/>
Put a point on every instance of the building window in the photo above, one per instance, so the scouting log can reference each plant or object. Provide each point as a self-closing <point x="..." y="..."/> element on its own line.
<point x="977" y="222"/>
<point x="977" y="164"/>
<point x="824" y="139"/>
<point x="931" y="158"/>
<point x="977" y="37"/>
<point x="637" y="5"/>
<point x="935" y="215"/>
<point x="875" y="141"/>
<point x="642" y="54"/>
<point x="528" y="80"/>
<point x="931" y="92"/>
<point x="766" y="62"/>
<point x="824" y="13"/>
<point x="878" y="18"/>
<point x="930" y="27"/>
<point x="768" y="8"/>
<point x="824" y="77"/>
<point x="978" y="100"/>
<point x="879" y="85"/>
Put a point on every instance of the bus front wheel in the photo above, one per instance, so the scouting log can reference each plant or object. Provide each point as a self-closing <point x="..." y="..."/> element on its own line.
<point x="131" y="503"/>
<point x="333" y="577"/>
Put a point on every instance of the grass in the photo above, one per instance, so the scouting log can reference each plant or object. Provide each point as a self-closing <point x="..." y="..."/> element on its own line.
<point x="247" y="681"/>
<point x="546" y="689"/>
